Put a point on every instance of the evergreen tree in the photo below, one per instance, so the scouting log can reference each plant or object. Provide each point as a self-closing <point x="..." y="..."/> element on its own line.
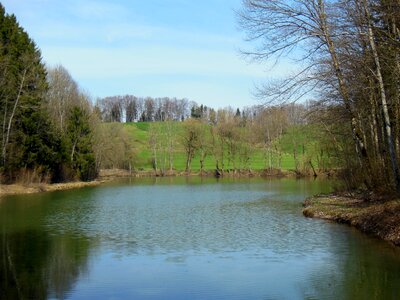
<point x="237" y="115"/>
<point x="42" y="148"/>
<point x="80" y="141"/>
<point x="22" y="89"/>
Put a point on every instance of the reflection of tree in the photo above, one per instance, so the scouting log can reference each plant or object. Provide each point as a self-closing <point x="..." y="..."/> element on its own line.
<point x="370" y="264"/>
<point x="23" y="256"/>
<point x="66" y="261"/>
<point x="364" y="268"/>
<point x="35" y="265"/>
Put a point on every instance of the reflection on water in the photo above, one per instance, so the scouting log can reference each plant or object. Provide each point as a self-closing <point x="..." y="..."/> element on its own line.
<point x="35" y="265"/>
<point x="187" y="238"/>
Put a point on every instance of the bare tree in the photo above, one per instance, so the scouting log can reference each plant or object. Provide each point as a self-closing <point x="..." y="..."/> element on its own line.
<point x="131" y="108"/>
<point x="190" y="140"/>
<point x="350" y="52"/>
<point x="63" y="93"/>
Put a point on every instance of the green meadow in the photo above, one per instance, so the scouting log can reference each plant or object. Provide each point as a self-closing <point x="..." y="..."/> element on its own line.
<point x="296" y="141"/>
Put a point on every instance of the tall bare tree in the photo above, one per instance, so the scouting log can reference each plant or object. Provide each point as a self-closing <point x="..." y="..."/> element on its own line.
<point x="63" y="93"/>
<point x="348" y="49"/>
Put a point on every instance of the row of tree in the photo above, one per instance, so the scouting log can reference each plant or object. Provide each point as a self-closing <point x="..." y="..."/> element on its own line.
<point x="130" y="108"/>
<point x="351" y="57"/>
<point x="232" y="144"/>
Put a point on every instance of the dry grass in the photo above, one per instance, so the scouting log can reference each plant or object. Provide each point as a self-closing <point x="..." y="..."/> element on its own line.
<point x="112" y="173"/>
<point x="18" y="189"/>
<point x="30" y="177"/>
<point x="378" y="217"/>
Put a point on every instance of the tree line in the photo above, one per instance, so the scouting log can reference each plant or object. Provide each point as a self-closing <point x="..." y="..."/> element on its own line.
<point x="129" y="108"/>
<point x="51" y="131"/>
<point x="234" y="139"/>
<point x="350" y="56"/>
<point x="228" y="136"/>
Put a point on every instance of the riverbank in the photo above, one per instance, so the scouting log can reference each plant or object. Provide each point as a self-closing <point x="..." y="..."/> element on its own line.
<point x="275" y="173"/>
<point x="376" y="217"/>
<point x="19" y="189"/>
<point x="111" y="174"/>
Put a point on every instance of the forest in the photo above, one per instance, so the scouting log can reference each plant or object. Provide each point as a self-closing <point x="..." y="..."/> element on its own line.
<point x="52" y="131"/>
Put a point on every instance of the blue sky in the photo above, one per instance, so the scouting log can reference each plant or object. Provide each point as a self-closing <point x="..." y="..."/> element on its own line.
<point x="175" y="48"/>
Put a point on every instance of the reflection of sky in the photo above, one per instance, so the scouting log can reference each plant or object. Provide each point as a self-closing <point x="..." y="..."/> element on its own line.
<point x="154" y="48"/>
<point x="239" y="240"/>
<point x="206" y="276"/>
<point x="174" y="218"/>
<point x="194" y="238"/>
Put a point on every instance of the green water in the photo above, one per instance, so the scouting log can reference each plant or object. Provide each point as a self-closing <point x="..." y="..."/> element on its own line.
<point x="187" y="238"/>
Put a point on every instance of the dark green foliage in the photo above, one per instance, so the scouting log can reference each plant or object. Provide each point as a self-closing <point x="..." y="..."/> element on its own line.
<point x="196" y="111"/>
<point x="42" y="147"/>
<point x="26" y="137"/>
<point x="21" y="273"/>
<point x="80" y="141"/>
<point x="30" y="141"/>
<point x="237" y="113"/>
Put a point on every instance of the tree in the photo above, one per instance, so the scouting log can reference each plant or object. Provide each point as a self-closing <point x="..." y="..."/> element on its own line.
<point x="163" y="142"/>
<point x="131" y="109"/>
<point x="190" y="140"/>
<point x="149" y="109"/>
<point x="113" y="147"/>
<point x="195" y="111"/>
<point x="237" y="114"/>
<point x="22" y="89"/>
<point x="80" y="137"/>
<point x="111" y="108"/>
<point x="204" y="144"/>
<point x="350" y="50"/>
<point x="63" y="93"/>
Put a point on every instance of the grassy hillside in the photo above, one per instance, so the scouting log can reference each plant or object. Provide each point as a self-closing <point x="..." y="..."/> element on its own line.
<point x="299" y="141"/>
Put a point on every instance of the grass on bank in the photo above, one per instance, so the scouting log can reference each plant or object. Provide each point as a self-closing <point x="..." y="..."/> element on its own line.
<point x="297" y="140"/>
<point x="378" y="217"/>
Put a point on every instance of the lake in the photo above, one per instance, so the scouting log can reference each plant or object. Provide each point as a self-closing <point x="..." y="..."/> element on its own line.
<point x="187" y="238"/>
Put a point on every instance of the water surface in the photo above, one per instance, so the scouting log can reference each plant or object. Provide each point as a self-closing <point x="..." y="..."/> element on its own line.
<point x="187" y="238"/>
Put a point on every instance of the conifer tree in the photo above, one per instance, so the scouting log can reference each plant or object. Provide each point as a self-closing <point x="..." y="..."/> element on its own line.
<point x="27" y="140"/>
<point x="80" y="142"/>
<point x="22" y="87"/>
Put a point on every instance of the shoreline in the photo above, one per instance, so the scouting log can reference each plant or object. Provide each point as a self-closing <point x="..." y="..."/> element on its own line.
<point x="34" y="188"/>
<point x="376" y="217"/>
<point x="111" y="174"/>
<point x="266" y="173"/>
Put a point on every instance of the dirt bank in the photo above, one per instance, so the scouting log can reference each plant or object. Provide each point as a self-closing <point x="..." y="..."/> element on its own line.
<point x="18" y="189"/>
<point x="108" y="175"/>
<point x="377" y="217"/>
<point x="111" y="174"/>
<point x="118" y="173"/>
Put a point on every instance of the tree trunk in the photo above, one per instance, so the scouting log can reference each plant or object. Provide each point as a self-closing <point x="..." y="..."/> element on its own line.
<point x="12" y="117"/>
<point x="385" y="111"/>
<point x="313" y="169"/>
<point x="360" y="144"/>
<point x="188" y="161"/>
<point x="155" y="159"/>
<point x="73" y="152"/>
